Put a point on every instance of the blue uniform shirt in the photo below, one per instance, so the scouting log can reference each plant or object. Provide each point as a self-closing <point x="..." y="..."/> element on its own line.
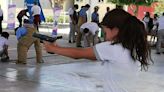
<point x="95" y="17"/>
<point x="83" y="13"/>
<point x="21" y="31"/>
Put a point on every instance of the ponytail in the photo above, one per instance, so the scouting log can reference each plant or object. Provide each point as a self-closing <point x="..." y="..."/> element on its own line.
<point x="132" y="35"/>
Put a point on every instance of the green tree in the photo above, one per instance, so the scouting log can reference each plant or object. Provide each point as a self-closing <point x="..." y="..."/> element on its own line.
<point x="159" y="8"/>
<point x="134" y="4"/>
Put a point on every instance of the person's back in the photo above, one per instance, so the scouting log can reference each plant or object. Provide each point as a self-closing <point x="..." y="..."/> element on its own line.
<point x="20" y="32"/>
<point x="92" y="26"/>
<point x="90" y="31"/>
<point x="22" y="13"/>
<point x="35" y="10"/>
<point x="116" y="62"/>
<point x="28" y="39"/>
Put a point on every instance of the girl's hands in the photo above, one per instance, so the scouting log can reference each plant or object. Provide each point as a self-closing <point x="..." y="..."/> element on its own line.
<point x="50" y="47"/>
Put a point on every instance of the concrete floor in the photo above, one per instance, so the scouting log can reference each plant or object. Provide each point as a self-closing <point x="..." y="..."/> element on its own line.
<point x="53" y="75"/>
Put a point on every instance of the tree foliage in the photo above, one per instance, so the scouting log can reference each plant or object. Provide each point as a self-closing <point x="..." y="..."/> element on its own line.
<point x="135" y="2"/>
<point x="159" y="8"/>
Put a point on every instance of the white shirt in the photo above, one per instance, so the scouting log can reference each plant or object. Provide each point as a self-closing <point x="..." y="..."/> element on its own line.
<point x="93" y="27"/>
<point x="118" y="67"/>
<point x="1" y="12"/>
<point x="161" y="23"/>
<point x="35" y="10"/>
<point x="70" y="12"/>
<point x="3" y="41"/>
<point x="146" y="19"/>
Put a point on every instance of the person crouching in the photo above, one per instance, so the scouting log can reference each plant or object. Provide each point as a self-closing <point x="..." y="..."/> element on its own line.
<point x="25" y="41"/>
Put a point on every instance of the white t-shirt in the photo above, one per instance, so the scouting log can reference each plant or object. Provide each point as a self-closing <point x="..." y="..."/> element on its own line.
<point x="35" y="10"/>
<point x="118" y="67"/>
<point x="70" y="12"/>
<point x="93" y="27"/>
<point x="3" y="41"/>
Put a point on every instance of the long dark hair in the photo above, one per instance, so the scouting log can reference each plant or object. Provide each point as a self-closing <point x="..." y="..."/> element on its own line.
<point x="132" y="34"/>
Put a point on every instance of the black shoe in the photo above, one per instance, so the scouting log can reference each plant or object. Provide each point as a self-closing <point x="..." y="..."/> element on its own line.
<point x="50" y="52"/>
<point x="78" y="46"/>
<point x="69" y="41"/>
<point x="158" y="53"/>
<point x="5" y="59"/>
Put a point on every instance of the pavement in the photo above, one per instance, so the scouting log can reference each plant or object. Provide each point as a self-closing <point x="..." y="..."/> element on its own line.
<point x="64" y="74"/>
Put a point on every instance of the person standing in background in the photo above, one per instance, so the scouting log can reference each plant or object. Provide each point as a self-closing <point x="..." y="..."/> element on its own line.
<point x="36" y="10"/>
<point x="20" y="15"/>
<point x="107" y="9"/>
<point x="73" y="22"/>
<point x="4" y="44"/>
<point x="160" y="35"/>
<point x="154" y="30"/>
<point x="148" y="21"/>
<point x="1" y="19"/>
<point x="81" y="20"/>
<point x="95" y="15"/>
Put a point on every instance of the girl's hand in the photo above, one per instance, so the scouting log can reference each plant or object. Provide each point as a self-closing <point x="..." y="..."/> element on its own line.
<point x="49" y="47"/>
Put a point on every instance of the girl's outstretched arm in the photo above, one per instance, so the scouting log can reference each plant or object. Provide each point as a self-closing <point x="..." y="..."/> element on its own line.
<point x="76" y="53"/>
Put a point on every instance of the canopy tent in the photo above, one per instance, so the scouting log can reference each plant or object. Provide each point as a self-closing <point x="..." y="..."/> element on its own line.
<point x="29" y="4"/>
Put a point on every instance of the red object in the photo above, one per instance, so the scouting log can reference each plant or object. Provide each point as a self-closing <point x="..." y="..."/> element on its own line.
<point x="142" y="10"/>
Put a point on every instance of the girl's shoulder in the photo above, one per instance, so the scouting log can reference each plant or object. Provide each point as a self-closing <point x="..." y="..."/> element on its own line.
<point x="109" y="46"/>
